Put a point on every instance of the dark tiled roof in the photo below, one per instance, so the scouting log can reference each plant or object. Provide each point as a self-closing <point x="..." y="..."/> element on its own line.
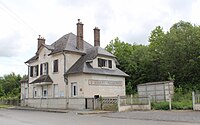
<point x="83" y="65"/>
<point x="32" y="59"/>
<point x="68" y="43"/>
<point x="43" y="78"/>
<point x="24" y="80"/>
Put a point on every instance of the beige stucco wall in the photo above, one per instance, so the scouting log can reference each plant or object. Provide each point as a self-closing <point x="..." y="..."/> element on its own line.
<point x="86" y="90"/>
<point x="58" y="77"/>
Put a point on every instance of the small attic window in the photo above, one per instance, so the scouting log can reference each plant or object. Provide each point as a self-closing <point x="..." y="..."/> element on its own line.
<point x="104" y="63"/>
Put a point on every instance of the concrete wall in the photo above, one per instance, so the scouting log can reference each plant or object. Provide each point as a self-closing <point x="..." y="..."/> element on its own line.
<point x="57" y="103"/>
<point x="158" y="91"/>
<point x="134" y="107"/>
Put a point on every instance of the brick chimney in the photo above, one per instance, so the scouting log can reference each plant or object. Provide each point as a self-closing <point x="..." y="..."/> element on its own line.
<point x="79" y="37"/>
<point x="96" y="36"/>
<point x="41" y="41"/>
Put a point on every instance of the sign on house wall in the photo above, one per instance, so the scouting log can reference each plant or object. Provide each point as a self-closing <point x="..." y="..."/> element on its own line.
<point x="104" y="82"/>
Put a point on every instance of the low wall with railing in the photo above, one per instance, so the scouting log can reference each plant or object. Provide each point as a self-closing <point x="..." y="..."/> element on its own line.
<point x="10" y="102"/>
<point x="196" y="101"/>
<point x="58" y="103"/>
<point x="133" y="103"/>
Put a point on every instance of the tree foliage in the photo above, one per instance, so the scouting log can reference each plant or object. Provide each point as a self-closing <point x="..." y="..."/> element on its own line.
<point x="10" y="85"/>
<point x="172" y="55"/>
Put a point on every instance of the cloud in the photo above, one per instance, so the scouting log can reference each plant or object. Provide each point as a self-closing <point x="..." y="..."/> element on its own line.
<point x="10" y="45"/>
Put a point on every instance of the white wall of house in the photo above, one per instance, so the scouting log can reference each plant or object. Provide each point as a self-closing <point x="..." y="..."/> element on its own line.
<point x="57" y="77"/>
<point x="89" y="85"/>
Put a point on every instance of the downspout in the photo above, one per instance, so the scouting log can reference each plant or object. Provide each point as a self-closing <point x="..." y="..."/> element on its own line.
<point x="65" y="80"/>
<point x="27" y="81"/>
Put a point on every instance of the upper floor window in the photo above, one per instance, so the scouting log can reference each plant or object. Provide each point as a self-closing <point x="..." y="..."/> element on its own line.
<point x="55" y="65"/>
<point x="104" y="63"/>
<point x="44" y="69"/>
<point x="34" y="71"/>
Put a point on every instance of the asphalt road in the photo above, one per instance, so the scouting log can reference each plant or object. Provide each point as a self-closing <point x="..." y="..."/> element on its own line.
<point x="21" y="117"/>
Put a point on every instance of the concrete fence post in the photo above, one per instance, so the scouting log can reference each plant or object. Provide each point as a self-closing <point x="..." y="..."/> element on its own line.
<point x="149" y="102"/>
<point x="170" y="102"/>
<point x="193" y="100"/>
<point x="131" y="99"/>
<point x="118" y="103"/>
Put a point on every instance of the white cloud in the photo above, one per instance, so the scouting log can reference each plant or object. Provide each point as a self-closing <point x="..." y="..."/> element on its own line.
<point x="130" y="20"/>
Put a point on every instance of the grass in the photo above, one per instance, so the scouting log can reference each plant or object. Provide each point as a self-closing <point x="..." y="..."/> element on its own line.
<point x="4" y="106"/>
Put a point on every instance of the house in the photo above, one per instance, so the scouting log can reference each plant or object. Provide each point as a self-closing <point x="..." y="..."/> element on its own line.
<point x="69" y="71"/>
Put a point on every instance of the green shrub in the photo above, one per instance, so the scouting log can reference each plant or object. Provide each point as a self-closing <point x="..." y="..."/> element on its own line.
<point x="160" y="105"/>
<point x="184" y="105"/>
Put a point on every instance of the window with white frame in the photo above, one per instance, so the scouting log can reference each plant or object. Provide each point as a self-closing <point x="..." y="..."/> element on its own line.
<point x="34" y="92"/>
<point x="44" y="92"/>
<point x="34" y="71"/>
<point x="55" y="65"/>
<point x="44" y="69"/>
<point x="104" y="63"/>
<point x="55" y="90"/>
<point x="74" y="89"/>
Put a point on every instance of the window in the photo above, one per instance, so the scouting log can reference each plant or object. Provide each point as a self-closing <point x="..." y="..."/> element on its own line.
<point x="109" y="63"/>
<point x="34" y="71"/>
<point x="55" y="65"/>
<point x="44" y="93"/>
<point x="44" y="69"/>
<point x="104" y="63"/>
<point x="55" y="90"/>
<point x="34" y="92"/>
<point x="74" y="89"/>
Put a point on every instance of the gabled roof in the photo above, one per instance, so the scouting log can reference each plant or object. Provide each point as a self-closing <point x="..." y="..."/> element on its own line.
<point x="43" y="78"/>
<point x="65" y="43"/>
<point x="83" y="65"/>
<point x="68" y="43"/>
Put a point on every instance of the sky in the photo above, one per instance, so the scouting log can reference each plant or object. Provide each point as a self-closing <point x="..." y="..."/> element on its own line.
<point x="22" y="21"/>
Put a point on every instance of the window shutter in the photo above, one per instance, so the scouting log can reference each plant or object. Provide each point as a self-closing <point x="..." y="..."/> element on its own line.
<point x="47" y="66"/>
<point x="110" y="63"/>
<point x="31" y="71"/>
<point x="41" y="69"/>
<point x="37" y="70"/>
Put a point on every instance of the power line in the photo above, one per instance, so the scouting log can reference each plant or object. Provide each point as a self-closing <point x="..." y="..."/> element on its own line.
<point x="11" y="13"/>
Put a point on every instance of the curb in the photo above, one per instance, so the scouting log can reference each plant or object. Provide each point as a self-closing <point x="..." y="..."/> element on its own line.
<point x="37" y="109"/>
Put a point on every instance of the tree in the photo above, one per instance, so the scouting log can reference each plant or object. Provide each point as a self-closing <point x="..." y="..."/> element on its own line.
<point x="10" y="85"/>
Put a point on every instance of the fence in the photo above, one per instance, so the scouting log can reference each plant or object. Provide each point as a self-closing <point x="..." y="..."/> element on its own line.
<point x="133" y="103"/>
<point x="10" y="102"/>
<point x="196" y="101"/>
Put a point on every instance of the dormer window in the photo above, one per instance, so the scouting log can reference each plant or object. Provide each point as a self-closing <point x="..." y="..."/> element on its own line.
<point x="103" y="63"/>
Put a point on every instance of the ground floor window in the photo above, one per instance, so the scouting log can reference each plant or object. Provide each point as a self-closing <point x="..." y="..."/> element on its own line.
<point x="55" y="90"/>
<point x="34" y="92"/>
<point x="44" y="92"/>
<point x="74" y="89"/>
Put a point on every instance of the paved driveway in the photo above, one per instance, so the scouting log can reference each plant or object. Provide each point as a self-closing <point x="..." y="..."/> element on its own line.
<point x="20" y="117"/>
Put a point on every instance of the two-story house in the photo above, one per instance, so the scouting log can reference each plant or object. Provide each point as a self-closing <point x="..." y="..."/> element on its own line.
<point x="70" y="70"/>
